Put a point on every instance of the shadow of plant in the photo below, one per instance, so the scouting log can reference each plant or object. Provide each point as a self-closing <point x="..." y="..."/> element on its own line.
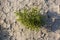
<point x="4" y="34"/>
<point x="53" y="21"/>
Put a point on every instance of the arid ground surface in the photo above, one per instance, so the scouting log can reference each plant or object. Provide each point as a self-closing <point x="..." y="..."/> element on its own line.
<point x="10" y="29"/>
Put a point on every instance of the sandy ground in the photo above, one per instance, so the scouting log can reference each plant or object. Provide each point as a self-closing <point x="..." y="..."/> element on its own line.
<point x="10" y="29"/>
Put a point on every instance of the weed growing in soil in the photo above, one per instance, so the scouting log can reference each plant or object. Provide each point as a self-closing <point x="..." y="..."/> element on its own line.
<point x="31" y="18"/>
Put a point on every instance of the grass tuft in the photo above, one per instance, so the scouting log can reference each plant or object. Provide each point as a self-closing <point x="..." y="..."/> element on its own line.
<point x="31" y="18"/>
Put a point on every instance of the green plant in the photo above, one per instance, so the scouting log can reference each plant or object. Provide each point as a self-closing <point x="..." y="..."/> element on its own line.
<point x="31" y="18"/>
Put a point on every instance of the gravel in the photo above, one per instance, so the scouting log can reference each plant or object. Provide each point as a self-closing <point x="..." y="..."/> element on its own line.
<point x="10" y="29"/>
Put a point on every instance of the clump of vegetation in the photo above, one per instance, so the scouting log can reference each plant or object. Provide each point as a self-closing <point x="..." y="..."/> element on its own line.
<point x="31" y="18"/>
